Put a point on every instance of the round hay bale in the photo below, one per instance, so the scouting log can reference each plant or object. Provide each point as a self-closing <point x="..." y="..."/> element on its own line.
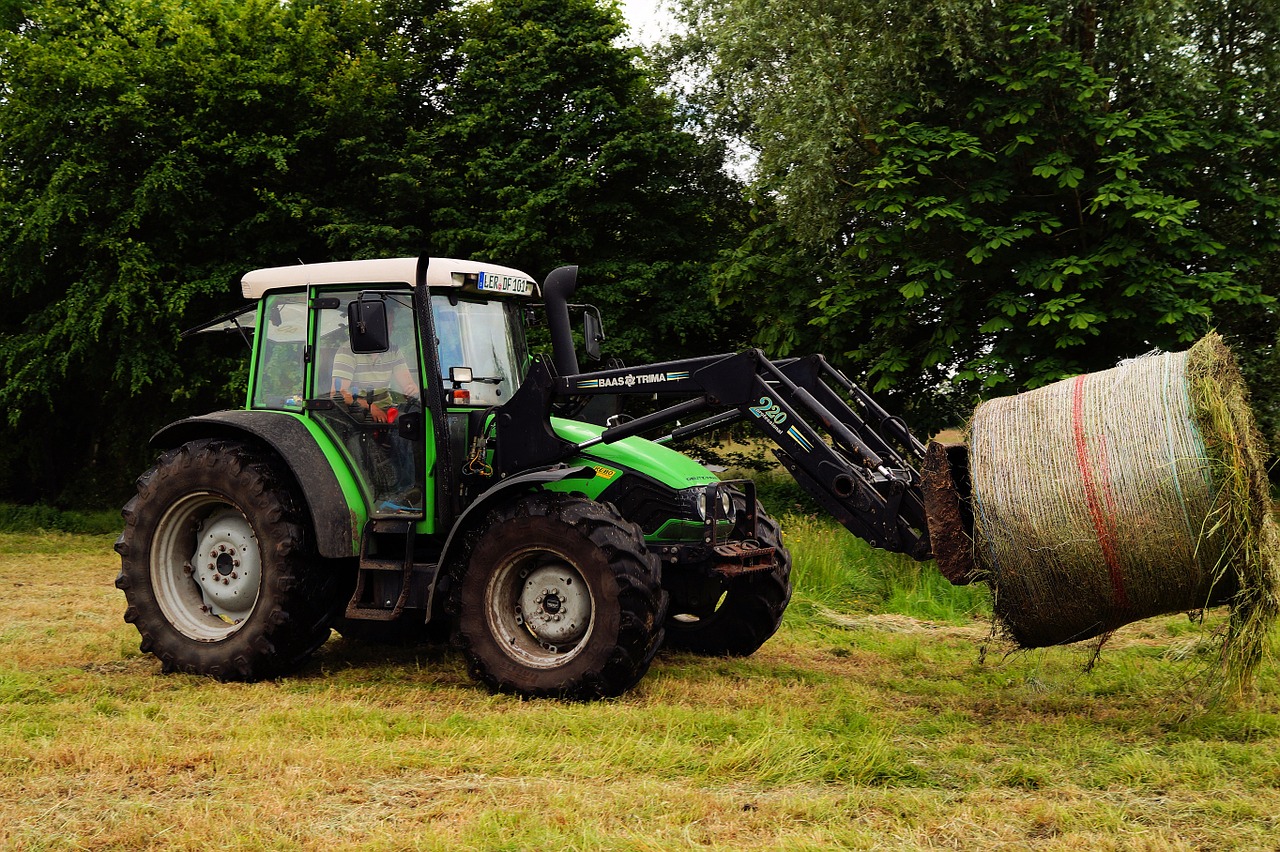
<point x="1115" y="496"/>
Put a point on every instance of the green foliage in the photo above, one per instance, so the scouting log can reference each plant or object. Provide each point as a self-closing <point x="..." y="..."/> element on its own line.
<point x="996" y="196"/>
<point x="28" y="519"/>
<point x="149" y="151"/>
<point x="562" y="151"/>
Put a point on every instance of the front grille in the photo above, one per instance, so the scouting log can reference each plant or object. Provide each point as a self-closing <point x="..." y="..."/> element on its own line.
<point x="647" y="503"/>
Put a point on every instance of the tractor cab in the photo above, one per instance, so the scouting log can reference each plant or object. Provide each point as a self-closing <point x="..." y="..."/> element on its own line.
<point x="386" y="355"/>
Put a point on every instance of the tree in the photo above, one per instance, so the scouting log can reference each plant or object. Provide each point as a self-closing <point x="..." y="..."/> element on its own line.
<point x="561" y="151"/>
<point x="998" y="195"/>
<point x="148" y="151"/>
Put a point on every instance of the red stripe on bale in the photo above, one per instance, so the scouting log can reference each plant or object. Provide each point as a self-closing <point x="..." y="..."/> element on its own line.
<point x="1093" y="492"/>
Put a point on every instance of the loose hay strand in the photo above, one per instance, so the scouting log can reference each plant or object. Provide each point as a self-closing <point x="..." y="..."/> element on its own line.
<point x="1241" y="515"/>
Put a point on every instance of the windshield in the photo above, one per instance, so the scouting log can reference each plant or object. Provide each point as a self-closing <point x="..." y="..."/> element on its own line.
<point x="486" y="337"/>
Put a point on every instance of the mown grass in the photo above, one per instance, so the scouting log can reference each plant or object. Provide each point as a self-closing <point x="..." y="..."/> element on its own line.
<point x="861" y="725"/>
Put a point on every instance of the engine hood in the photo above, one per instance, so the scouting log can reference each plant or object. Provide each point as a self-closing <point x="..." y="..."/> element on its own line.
<point x="654" y="460"/>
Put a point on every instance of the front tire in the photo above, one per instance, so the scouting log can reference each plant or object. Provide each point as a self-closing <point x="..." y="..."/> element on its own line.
<point x="560" y="598"/>
<point x="730" y="616"/>
<point x="215" y="565"/>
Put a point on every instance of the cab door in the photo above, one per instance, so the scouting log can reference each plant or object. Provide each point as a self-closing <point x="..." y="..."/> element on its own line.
<point x="372" y="402"/>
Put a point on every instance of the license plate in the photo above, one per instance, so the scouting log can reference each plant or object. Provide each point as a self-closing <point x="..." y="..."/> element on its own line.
<point x="493" y="283"/>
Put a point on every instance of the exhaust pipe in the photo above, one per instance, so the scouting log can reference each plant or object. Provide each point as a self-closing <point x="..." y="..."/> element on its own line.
<point x="556" y="290"/>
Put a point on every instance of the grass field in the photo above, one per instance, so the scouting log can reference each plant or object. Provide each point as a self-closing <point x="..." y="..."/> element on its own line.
<point x="874" y="720"/>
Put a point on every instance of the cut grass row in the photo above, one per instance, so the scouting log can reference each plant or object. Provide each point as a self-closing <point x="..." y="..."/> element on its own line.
<point x="863" y="724"/>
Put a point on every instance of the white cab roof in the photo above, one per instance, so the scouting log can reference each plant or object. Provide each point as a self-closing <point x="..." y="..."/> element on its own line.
<point x="441" y="272"/>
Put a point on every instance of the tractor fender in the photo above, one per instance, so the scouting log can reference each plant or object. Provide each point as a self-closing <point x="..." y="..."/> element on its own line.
<point x="505" y="489"/>
<point x="331" y="518"/>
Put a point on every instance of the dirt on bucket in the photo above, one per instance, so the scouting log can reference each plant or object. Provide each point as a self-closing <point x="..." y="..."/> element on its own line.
<point x="944" y="479"/>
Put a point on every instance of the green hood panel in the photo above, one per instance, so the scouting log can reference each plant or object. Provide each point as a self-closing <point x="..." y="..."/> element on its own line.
<point x="665" y="465"/>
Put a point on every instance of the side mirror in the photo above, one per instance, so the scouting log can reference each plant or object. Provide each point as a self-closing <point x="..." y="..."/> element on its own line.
<point x="367" y="325"/>
<point x="592" y="332"/>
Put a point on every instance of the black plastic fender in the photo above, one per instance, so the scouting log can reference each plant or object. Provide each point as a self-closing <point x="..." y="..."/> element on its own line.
<point x="331" y="518"/>
<point x="508" y="487"/>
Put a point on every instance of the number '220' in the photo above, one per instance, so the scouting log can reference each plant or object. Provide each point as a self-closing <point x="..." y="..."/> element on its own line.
<point x="768" y="410"/>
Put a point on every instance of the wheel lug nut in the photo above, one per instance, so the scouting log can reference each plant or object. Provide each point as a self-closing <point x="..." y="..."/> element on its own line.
<point x="235" y="576"/>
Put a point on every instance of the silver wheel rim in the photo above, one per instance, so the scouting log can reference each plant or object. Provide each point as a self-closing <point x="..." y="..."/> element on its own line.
<point x="206" y="568"/>
<point x="540" y="609"/>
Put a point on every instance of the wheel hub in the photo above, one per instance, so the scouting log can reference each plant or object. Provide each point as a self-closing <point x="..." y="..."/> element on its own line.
<point x="226" y="566"/>
<point x="554" y="606"/>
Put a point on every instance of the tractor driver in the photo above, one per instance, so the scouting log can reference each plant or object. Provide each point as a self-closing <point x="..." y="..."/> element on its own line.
<point x="366" y="382"/>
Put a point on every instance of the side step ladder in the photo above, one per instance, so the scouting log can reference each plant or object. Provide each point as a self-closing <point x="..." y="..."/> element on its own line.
<point x="370" y="567"/>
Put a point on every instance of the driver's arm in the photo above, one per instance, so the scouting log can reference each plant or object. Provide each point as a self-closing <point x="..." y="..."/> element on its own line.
<point x="343" y="372"/>
<point x="404" y="380"/>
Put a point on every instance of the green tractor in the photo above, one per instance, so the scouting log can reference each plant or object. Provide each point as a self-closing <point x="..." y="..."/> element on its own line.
<point x="403" y="464"/>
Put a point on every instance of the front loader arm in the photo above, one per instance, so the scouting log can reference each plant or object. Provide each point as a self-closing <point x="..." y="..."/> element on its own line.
<point x="841" y="455"/>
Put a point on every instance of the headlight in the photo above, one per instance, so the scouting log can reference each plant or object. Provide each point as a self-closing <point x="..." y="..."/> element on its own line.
<point x="726" y="504"/>
<point x="726" y="509"/>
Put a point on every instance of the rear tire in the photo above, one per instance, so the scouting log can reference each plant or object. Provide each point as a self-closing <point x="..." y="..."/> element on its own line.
<point x="560" y="598"/>
<point x="216" y="566"/>
<point x="730" y="616"/>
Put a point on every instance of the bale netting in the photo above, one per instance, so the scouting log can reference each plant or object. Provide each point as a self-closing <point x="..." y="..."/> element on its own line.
<point x="1116" y="496"/>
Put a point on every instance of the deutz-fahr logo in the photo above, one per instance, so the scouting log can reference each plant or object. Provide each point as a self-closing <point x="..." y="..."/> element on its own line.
<point x="633" y="379"/>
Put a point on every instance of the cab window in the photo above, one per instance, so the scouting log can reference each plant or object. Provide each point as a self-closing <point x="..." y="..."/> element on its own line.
<point x="282" y="341"/>
<point x="333" y="346"/>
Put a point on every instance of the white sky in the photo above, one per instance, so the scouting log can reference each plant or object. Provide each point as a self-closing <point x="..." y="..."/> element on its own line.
<point x="649" y="19"/>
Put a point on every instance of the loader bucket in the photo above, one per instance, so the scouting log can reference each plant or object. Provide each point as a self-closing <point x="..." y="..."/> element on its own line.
<point x="944" y="479"/>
